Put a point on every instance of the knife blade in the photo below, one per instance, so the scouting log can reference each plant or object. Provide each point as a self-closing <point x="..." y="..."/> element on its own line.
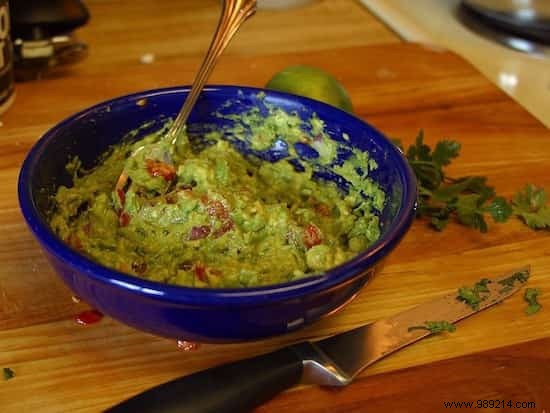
<point x="334" y="361"/>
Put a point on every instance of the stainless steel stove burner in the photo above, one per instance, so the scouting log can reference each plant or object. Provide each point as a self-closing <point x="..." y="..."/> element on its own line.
<point x="522" y="25"/>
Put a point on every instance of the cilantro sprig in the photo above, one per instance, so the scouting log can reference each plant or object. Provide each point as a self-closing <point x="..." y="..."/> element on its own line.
<point x="467" y="200"/>
<point x="530" y="205"/>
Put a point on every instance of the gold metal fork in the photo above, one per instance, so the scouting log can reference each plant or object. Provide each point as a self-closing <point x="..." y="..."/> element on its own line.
<point x="234" y="14"/>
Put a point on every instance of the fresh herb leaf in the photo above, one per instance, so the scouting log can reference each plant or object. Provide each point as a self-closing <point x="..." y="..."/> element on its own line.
<point x="499" y="209"/>
<point x="439" y="223"/>
<point x="419" y="151"/>
<point x="467" y="200"/>
<point x="530" y="205"/>
<point x="531" y="296"/>
<point x="441" y="199"/>
<point x="470" y="213"/>
<point x="435" y="327"/>
<point x="8" y="373"/>
<point x="473" y="295"/>
<point x="428" y="165"/>
<point x="445" y="151"/>
<point x="508" y="282"/>
<point x="397" y="142"/>
<point x="470" y="184"/>
<point x="481" y="285"/>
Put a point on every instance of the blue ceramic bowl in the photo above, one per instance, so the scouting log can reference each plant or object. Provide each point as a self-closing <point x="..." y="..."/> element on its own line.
<point x="206" y="315"/>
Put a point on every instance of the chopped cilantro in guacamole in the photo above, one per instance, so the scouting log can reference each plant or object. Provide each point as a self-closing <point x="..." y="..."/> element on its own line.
<point x="206" y="216"/>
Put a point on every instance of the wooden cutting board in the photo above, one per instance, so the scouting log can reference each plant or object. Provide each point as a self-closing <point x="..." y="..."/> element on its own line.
<point x="61" y="366"/>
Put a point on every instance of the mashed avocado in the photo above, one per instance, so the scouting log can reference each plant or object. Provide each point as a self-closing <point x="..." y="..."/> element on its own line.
<point x="207" y="216"/>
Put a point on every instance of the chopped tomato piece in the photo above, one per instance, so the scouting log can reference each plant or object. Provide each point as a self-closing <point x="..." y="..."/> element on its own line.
<point x="217" y="209"/>
<point x="322" y="209"/>
<point x="139" y="267"/>
<point x="158" y="168"/>
<point x="200" y="271"/>
<point x="121" y="196"/>
<point x="198" y="232"/>
<point x="226" y="227"/>
<point x="171" y="198"/>
<point x="74" y="241"/>
<point x="124" y="219"/>
<point x="312" y="236"/>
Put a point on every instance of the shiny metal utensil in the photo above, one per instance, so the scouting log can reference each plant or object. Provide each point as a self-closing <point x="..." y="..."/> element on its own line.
<point x="524" y="27"/>
<point x="334" y="361"/>
<point x="234" y="14"/>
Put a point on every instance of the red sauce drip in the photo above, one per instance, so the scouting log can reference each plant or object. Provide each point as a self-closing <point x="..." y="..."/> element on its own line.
<point x="88" y="317"/>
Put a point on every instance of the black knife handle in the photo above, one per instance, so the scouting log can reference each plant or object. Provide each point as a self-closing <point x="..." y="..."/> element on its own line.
<point x="236" y="387"/>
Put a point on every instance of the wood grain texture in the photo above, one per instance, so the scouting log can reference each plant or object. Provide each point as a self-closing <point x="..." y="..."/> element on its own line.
<point x="517" y="374"/>
<point x="63" y="367"/>
<point x="122" y="33"/>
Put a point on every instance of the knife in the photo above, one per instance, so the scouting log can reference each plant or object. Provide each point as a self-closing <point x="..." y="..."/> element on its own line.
<point x="334" y="361"/>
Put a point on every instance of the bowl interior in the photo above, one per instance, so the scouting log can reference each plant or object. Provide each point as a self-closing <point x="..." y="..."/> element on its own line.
<point x="91" y="132"/>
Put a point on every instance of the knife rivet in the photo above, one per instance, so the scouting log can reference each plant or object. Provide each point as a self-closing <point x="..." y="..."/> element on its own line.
<point x="187" y="345"/>
<point x="76" y="299"/>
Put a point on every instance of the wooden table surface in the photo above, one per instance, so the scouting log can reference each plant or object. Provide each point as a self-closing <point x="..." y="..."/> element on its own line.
<point x="500" y="354"/>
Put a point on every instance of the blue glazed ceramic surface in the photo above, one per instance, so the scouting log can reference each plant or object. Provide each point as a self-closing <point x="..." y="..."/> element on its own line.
<point x="207" y="315"/>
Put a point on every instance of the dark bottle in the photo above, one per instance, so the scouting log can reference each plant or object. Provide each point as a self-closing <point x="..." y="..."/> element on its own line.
<point x="6" y="58"/>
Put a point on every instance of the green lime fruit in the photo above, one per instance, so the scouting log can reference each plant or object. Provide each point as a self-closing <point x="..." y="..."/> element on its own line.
<point x="313" y="83"/>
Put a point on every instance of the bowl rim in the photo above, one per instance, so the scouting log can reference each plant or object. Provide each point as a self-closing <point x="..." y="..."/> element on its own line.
<point x="248" y="296"/>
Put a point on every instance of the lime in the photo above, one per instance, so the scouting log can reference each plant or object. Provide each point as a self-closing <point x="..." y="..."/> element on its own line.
<point x="313" y="83"/>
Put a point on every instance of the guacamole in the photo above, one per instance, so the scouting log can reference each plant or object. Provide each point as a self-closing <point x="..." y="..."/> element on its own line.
<point x="199" y="213"/>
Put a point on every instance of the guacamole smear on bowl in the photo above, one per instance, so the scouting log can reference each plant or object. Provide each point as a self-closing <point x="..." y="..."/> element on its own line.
<point x="202" y="214"/>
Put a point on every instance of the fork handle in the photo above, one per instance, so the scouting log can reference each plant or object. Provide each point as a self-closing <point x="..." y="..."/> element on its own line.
<point x="234" y="13"/>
